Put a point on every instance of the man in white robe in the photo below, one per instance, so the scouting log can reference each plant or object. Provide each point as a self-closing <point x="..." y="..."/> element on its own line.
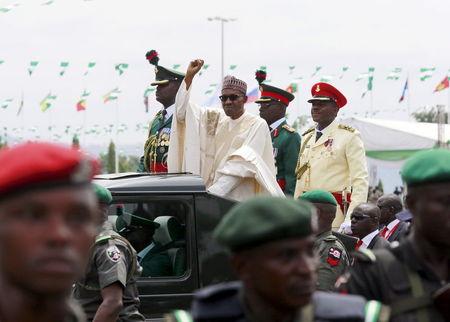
<point x="230" y="148"/>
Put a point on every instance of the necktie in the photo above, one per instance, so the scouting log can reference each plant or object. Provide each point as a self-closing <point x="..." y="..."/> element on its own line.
<point x="358" y="244"/>
<point x="384" y="232"/>
<point x="318" y="135"/>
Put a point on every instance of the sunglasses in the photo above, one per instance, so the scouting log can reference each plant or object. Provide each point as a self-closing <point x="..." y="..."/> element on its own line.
<point x="359" y="217"/>
<point x="232" y="97"/>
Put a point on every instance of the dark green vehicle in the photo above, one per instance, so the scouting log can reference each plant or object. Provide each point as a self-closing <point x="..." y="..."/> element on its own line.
<point x="180" y="255"/>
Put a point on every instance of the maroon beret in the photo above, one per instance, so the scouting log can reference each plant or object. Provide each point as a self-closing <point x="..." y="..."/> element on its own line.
<point x="37" y="165"/>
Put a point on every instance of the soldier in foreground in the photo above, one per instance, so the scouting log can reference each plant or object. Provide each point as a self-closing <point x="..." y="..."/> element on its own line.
<point x="285" y="140"/>
<point x="108" y="290"/>
<point x="333" y="257"/>
<point x="271" y="242"/>
<point x="49" y="218"/>
<point x="413" y="278"/>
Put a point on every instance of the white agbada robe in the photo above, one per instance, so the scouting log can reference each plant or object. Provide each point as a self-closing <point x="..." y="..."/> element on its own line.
<point x="234" y="157"/>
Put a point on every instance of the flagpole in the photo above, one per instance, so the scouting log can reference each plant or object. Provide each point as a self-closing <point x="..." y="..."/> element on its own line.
<point x="116" y="139"/>
<point x="409" y="95"/>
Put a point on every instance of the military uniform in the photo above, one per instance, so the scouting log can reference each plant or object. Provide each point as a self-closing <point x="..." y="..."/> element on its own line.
<point x="398" y="278"/>
<point x="334" y="160"/>
<point x="156" y="148"/>
<point x="113" y="260"/>
<point x="225" y="302"/>
<point x="285" y="140"/>
<point x="334" y="260"/>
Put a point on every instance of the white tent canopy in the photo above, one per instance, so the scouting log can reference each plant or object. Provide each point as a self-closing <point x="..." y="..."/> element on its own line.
<point x="389" y="143"/>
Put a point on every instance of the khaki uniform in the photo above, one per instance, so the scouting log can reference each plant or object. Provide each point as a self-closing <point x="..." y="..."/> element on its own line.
<point x="336" y="163"/>
<point x="113" y="260"/>
<point x="334" y="260"/>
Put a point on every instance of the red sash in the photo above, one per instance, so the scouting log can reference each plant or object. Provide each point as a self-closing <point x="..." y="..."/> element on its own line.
<point x="338" y="197"/>
<point x="157" y="167"/>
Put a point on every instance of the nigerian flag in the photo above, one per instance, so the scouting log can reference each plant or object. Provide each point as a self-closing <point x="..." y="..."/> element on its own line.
<point x="205" y="67"/>
<point x="344" y="69"/>
<point x="316" y="71"/>
<point x="63" y="65"/>
<point x="233" y="67"/>
<point x="6" y="103"/>
<point x="394" y="74"/>
<point x="120" y="68"/>
<point x="32" y="67"/>
<point x="111" y="95"/>
<point x="47" y="102"/>
<point x="89" y="67"/>
<point x="426" y="73"/>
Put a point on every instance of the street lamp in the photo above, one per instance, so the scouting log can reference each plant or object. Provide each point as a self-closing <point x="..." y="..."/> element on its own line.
<point x="222" y="24"/>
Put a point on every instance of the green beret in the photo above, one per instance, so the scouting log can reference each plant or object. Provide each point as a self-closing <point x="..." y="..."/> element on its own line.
<point x="264" y="219"/>
<point x="427" y="167"/>
<point x="103" y="195"/>
<point x="319" y="196"/>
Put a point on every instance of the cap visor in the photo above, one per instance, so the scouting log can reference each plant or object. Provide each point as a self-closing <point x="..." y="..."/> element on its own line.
<point x="323" y="99"/>
<point x="263" y="100"/>
<point x="161" y="82"/>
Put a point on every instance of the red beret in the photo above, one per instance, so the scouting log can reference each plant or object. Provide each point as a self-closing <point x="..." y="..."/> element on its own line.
<point x="327" y="92"/>
<point x="35" y="165"/>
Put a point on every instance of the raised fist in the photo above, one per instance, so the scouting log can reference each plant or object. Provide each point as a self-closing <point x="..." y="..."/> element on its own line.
<point x="194" y="67"/>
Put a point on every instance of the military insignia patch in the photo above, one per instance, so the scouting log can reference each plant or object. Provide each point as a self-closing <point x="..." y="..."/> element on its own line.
<point x="334" y="256"/>
<point x="113" y="253"/>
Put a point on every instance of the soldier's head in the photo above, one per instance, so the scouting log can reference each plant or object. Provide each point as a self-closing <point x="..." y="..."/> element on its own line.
<point x="389" y="205"/>
<point x="273" y="103"/>
<point x="325" y="204"/>
<point x="365" y="219"/>
<point x="271" y="240"/>
<point x="234" y="96"/>
<point x="326" y="101"/>
<point x="167" y="81"/>
<point x="104" y="199"/>
<point x="48" y="215"/>
<point x="427" y="175"/>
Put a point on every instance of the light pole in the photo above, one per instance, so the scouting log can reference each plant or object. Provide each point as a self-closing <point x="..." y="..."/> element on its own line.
<point x="222" y="27"/>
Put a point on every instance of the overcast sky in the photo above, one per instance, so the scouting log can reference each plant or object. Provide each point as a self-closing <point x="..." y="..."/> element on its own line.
<point x="384" y="34"/>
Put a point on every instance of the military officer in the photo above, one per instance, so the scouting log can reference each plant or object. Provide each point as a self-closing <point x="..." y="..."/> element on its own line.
<point x="157" y="145"/>
<point x="332" y="156"/>
<point x="271" y="242"/>
<point x="413" y="277"/>
<point x="108" y="291"/>
<point x="333" y="257"/>
<point x="49" y="218"/>
<point x="285" y="140"/>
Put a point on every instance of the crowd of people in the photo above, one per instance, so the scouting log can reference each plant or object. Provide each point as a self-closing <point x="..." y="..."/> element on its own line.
<point x="304" y="242"/>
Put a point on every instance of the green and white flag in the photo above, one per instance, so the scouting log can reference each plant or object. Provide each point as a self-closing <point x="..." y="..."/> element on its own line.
<point x="176" y="66"/>
<point x="32" y="67"/>
<point x="63" y="65"/>
<point x="89" y="67"/>
<point x="205" y="67"/>
<point x="111" y="95"/>
<point x="148" y="91"/>
<point x="369" y="81"/>
<point x="233" y="67"/>
<point x="326" y="78"/>
<point x="47" y="3"/>
<point x="120" y="68"/>
<point x="1" y="61"/>
<point x="47" y="102"/>
<point x="9" y="8"/>
<point x="426" y="73"/>
<point x="394" y="74"/>
<point x="6" y="102"/>
<point x="316" y="71"/>
<point x="291" y="69"/>
<point x="211" y="89"/>
<point x="344" y="69"/>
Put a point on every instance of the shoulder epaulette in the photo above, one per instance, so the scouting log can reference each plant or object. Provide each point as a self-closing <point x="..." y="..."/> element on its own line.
<point x="346" y="127"/>
<point x="288" y="128"/>
<point x="308" y="131"/>
<point x="365" y="255"/>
